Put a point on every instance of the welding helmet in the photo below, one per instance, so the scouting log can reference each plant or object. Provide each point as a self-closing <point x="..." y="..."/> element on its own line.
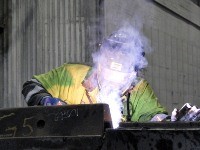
<point x="119" y="58"/>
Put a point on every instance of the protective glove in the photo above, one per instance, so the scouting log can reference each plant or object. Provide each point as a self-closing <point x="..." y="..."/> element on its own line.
<point x="186" y="113"/>
<point x="196" y="116"/>
<point x="159" y="118"/>
<point x="50" y="101"/>
<point x="174" y="114"/>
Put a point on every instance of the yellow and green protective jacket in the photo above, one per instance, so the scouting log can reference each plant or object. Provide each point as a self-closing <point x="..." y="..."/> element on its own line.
<point x="76" y="84"/>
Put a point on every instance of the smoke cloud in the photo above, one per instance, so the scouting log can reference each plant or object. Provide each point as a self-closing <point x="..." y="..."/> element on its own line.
<point x="117" y="65"/>
<point x="119" y="58"/>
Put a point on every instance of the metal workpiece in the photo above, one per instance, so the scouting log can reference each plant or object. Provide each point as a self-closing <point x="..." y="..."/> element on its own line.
<point x="154" y="135"/>
<point x="70" y="120"/>
<point x="167" y="125"/>
<point x="114" y="139"/>
<point x="133" y="139"/>
<point x="76" y="127"/>
<point x="89" y="127"/>
<point x="52" y="142"/>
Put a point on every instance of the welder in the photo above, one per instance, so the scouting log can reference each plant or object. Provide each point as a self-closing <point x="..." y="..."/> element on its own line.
<point x="117" y="65"/>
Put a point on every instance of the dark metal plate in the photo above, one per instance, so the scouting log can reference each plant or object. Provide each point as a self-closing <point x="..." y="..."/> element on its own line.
<point x="70" y="120"/>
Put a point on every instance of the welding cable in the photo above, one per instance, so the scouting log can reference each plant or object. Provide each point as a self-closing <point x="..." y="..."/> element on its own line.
<point x="128" y="107"/>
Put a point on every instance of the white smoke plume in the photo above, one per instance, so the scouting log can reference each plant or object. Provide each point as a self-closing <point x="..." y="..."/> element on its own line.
<point x="112" y="98"/>
<point x="129" y="20"/>
<point x="116" y="67"/>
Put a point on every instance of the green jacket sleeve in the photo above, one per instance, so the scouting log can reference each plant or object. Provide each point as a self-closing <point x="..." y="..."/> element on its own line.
<point x="144" y="103"/>
<point x="51" y="80"/>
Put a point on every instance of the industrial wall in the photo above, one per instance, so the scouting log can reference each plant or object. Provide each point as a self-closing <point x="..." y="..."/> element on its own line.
<point x="1" y="48"/>
<point x="43" y="34"/>
<point x="173" y="28"/>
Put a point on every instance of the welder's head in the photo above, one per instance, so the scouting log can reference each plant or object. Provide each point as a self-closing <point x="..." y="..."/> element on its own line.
<point x="119" y="58"/>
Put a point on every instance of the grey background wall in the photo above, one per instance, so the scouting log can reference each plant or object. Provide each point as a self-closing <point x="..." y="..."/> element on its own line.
<point x="173" y="28"/>
<point x="43" y="34"/>
<point x="1" y="46"/>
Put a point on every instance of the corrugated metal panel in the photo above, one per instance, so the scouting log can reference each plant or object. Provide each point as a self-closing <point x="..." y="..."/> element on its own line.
<point x="44" y="34"/>
<point x="173" y="70"/>
<point x="1" y="47"/>
<point x="191" y="13"/>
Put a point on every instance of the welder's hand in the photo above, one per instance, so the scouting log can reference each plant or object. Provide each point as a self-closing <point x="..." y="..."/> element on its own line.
<point x="50" y="101"/>
<point x="159" y="118"/>
<point x="192" y="115"/>
<point x="196" y="116"/>
<point x="186" y="113"/>
<point x="174" y="115"/>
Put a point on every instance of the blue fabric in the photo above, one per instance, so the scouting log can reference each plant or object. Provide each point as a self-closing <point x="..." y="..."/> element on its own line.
<point x="50" y="101"/>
